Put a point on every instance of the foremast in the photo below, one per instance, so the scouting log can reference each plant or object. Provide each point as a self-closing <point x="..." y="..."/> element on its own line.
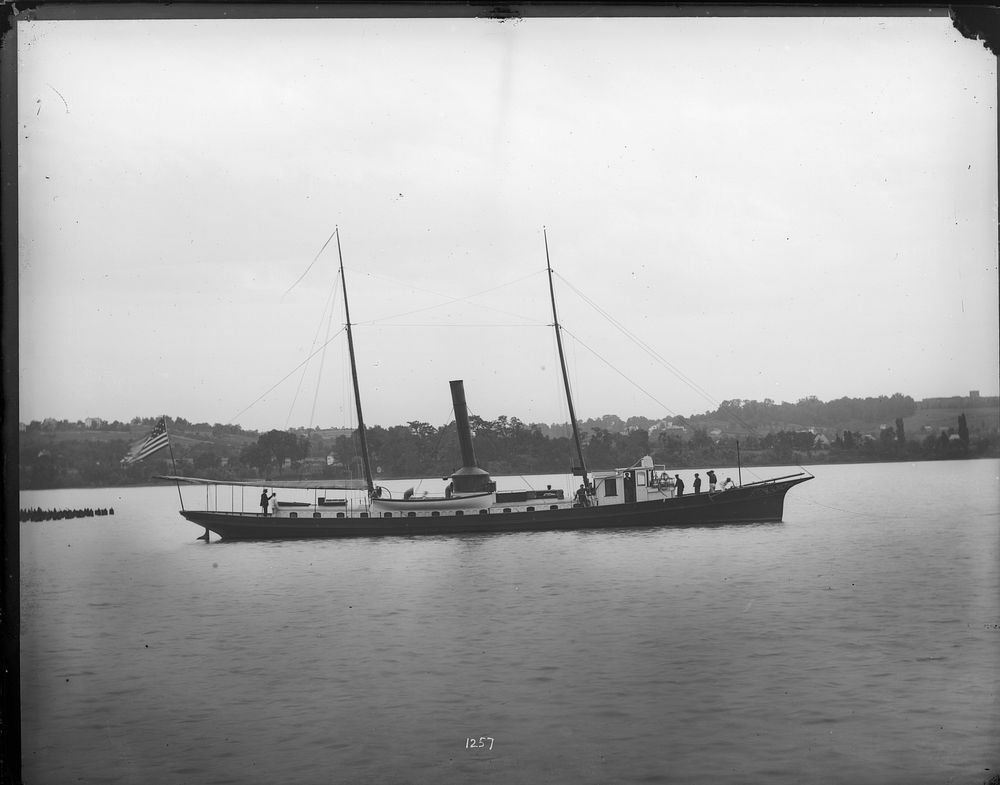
<point x="582" y="469"/>
<point x="366" y="463"/>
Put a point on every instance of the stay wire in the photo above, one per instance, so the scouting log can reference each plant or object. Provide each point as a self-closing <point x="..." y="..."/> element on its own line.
<point x="656" y="355"/>
<point x="286" y="376"/>
<point x="441" y="432"/>
<point x="620" y="373"/>
<point x="561" y="395"/>
<point x="322" y="363"/>
<point x="318" y="253"/>
<point x="327" y="314"/>
<point x="410" y="285"/>
<point x="451" y="301"/>
<point x="447" y="326"/>
<point x="331" y="298"/>
<point x="642" y="344"/>
<point x="857" y="514"/>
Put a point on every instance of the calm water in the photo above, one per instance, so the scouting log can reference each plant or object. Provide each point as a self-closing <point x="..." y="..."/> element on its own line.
<point x="857" y="642"/>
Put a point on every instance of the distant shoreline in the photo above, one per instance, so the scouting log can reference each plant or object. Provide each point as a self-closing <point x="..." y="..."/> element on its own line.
<point x="693" y="467"/>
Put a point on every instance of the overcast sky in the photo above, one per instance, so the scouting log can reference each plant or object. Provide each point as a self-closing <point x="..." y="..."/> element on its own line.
<point x="777" y="207"/>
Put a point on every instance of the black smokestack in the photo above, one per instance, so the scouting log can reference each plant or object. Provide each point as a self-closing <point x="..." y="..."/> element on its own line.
<point x="470" y="478"/>
<point x="462" y="423"/>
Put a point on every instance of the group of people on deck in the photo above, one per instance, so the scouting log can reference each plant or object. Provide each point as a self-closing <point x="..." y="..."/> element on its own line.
<point x="713" y="483"/>
<point x="668" y="486"/>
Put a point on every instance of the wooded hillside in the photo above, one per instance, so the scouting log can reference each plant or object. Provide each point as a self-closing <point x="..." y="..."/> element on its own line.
<point x="63" y="454"/>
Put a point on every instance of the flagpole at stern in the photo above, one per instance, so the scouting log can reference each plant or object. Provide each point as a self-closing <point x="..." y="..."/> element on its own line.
<point x="173" y="464"/>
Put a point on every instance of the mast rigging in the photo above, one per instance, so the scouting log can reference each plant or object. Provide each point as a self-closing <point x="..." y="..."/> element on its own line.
<point x="354" y="376"/>
<point x="562" y="364"/>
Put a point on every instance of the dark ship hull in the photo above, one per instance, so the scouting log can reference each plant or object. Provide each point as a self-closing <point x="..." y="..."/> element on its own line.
<point x="755" y="503"/>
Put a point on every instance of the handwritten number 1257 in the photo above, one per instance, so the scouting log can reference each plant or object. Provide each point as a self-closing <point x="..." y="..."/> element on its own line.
<point x="480" y="742"/>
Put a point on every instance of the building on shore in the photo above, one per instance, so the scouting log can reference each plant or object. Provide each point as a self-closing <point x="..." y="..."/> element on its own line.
<point x="972" y="401"/>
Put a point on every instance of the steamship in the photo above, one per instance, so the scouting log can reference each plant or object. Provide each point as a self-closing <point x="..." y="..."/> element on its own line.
<point x="639" y="496"/>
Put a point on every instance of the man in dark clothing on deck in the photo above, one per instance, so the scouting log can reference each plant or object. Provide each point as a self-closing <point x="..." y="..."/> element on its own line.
<point x="680" y="485"/>
<point x="697" y="483"/>
<point x="263" y="502"/>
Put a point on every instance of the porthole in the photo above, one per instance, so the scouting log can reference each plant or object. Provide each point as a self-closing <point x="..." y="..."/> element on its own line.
<point x="434" y="513"/>
<point x="459" y="512"/>
<point x="293" y="515"/>
<point x="341" y="515"/>
<point x="531" y="509"/>
<point x="484" y="512"/>
<point x="317" y="515"/>
<point x="553" y="506"/>
<point x="411" y="515"/>
<point x="387" y="515"/>
<point x="506" y="509"/>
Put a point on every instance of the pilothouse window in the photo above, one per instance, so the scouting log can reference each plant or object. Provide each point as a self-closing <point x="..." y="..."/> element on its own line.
<point x="611" y="487"/>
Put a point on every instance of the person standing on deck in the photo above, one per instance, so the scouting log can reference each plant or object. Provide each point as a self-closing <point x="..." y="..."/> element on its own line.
<point x="697" y="483"/>
<point x="263" y="502"/>
<point x="274" y="504"/>
<point x="680" y="485"/>
<point x="712" y="482"/>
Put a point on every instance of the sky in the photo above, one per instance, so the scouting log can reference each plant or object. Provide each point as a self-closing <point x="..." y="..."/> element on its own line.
<point x="734" y="208"/>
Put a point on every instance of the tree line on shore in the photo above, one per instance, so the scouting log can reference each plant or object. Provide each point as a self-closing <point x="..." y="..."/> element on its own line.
<point x="505" y="446"/>
<point x="749" y="414"/>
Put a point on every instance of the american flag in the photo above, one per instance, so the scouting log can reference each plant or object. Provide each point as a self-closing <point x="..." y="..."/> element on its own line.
<point x="156" y="440"/>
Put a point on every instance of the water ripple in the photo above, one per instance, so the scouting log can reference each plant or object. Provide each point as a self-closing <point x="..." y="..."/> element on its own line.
<point x="825" y="649"/>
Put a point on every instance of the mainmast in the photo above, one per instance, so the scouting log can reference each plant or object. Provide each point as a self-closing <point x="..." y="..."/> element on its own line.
<point x="354" y="377"/>
<point x="562" y="363"/>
